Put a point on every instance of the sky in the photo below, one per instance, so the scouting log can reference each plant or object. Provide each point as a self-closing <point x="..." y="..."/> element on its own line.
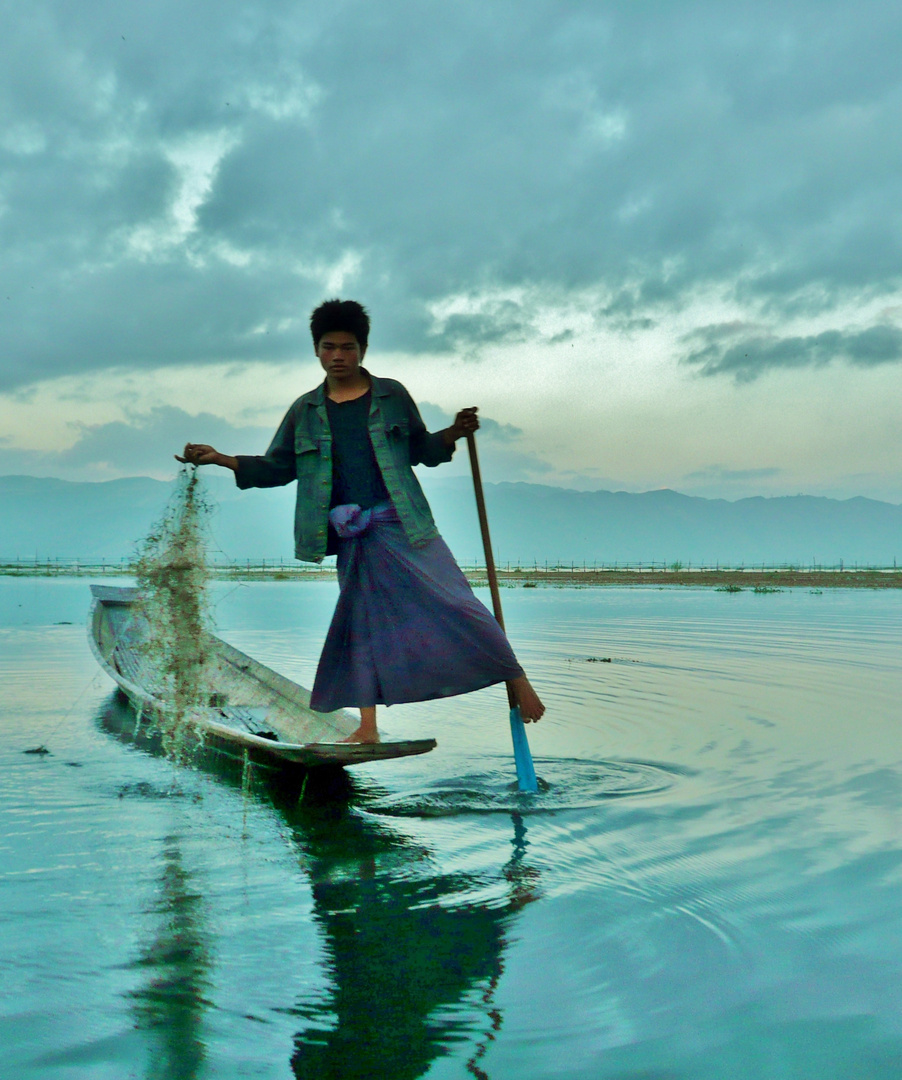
<point x="659" y="244"/>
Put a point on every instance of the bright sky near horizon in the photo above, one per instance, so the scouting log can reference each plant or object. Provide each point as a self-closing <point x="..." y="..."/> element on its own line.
<point x="658" y="243"/>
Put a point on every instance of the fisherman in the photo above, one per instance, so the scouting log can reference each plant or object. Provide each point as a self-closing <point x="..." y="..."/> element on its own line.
<point x="407" y="625"/>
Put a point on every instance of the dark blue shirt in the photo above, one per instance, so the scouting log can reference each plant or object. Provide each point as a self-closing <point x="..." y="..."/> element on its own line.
<point x="356" y="476"/>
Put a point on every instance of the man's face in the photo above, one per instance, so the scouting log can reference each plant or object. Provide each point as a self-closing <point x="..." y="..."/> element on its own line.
<point x="340" y="355"/>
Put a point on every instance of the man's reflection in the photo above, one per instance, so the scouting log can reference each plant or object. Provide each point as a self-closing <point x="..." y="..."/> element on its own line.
<point x="409" y="965"/>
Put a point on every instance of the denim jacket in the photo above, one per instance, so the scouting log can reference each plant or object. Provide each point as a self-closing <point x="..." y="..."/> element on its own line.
<point x="302" y="450"/>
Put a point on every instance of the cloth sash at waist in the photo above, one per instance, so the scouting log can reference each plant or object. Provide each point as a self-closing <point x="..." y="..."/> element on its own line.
<point x="349" y="520"/>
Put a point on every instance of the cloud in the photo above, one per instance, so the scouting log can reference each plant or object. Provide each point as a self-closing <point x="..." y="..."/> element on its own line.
<point x="149" y="441"/>
<point x="184" y="182"/>
<point x="501" y="455"/>
<point x="503" y="324"/>
<point x="435" y="418"/>
<point x="719" y="473"/>
<point x="748" y="357"/>
<point x="467" y="322"/>
<point x="143" y="445"/>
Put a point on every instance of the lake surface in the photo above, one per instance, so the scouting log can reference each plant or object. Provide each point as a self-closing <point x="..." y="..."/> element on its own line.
<point x="707" y="886"/>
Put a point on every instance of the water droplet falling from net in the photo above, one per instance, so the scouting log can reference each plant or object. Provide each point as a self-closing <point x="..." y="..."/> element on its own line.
<point x="173" y="577"/>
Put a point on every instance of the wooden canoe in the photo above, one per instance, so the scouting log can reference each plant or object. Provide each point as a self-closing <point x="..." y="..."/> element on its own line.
<point x="254" y="709"/>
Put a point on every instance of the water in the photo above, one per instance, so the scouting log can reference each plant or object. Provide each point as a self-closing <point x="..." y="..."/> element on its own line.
<point x="708" y="884"/>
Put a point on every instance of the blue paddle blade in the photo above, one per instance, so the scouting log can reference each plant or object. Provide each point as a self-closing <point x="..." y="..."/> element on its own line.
<point x="526" y="773"/>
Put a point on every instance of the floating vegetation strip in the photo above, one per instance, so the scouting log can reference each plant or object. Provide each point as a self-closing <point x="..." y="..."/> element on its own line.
<point x="173" y="576"/>
<point x="528" y="576"/>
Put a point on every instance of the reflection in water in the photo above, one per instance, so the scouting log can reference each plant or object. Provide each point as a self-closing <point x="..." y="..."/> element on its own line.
<point x="413" y="960"/>
<point x="523" y="881"/>
<point x="404" y="955"/>
<point x="169" y="1008"/>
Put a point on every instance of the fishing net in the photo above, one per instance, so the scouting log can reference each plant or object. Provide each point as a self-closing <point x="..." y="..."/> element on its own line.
<point x="173" y="577"/>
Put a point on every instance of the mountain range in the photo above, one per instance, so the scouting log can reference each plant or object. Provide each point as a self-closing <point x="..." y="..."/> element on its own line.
<point x="43" y="518"/>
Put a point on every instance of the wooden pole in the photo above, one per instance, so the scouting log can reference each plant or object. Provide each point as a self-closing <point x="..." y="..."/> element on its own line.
<point x="526" y="773"/>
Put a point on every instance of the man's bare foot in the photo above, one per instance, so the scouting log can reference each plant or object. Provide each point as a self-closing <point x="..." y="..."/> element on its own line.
<point x="367" y="732"/>
<point x="362" y="735"/>
<point x="531" y="708"/>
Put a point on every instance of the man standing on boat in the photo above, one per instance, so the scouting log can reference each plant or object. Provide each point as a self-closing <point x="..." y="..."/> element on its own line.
<point x="407" y="626"/>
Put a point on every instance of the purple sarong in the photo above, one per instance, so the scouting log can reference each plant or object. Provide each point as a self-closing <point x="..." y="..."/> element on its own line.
<point x="407" y="626"/>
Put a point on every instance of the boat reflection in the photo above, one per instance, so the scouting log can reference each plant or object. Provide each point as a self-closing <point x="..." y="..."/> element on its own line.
<point x="169" y="1008"/>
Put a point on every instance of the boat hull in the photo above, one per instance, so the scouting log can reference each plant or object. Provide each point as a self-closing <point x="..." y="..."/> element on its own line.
<point x="254" y="713"/>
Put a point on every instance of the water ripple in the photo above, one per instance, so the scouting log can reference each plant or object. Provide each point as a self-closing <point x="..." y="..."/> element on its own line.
<point x="564" y="784"/>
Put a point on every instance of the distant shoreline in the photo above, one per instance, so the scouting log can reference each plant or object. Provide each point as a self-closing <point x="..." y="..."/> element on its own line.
<point x="727" y="580"/>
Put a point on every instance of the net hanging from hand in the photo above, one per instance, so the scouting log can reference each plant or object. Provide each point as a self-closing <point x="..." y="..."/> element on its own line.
<point x="173" y="577"/>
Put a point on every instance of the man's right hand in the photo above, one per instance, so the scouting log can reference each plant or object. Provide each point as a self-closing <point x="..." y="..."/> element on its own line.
<point x="202" y="454"/>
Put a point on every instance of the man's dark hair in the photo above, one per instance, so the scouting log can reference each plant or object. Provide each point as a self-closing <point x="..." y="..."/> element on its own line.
<point x="345" y="315"/>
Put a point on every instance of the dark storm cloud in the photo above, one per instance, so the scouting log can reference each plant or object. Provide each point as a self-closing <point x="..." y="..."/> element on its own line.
<point x="504" y="322"/>
<point x="747" y="357"/>
<point x="647" y="149"/>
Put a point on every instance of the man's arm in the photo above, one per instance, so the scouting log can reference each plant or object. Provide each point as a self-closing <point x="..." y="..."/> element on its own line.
<point x="273" y="469"/>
